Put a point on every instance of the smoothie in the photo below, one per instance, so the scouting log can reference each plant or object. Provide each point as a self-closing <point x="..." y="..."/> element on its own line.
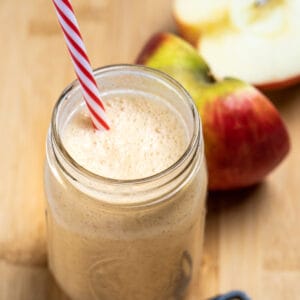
<point x="146" y="137"/>
<point x="140" y="237"/>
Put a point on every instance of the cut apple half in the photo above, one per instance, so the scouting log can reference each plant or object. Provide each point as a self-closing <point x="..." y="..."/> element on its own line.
<point x="257" y="41"/>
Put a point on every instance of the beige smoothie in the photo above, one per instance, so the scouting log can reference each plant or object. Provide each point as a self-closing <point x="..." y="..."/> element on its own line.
<point x="146" y="137"/>
<point x="119" y="246"/>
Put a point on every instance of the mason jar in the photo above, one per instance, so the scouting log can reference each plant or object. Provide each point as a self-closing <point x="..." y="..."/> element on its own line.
<point x="140" y="239"/>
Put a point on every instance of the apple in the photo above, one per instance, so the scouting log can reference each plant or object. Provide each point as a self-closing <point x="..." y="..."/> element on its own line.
<point x="257" y="41"/>
<point x="193" y="15"/>
<point x="245" y="137"/>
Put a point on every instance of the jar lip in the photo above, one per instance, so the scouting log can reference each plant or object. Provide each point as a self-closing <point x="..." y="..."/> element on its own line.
<point x="193" y="143"/>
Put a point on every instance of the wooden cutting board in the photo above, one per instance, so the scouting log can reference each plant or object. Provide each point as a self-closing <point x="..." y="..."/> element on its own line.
<point x="252" y="237"/>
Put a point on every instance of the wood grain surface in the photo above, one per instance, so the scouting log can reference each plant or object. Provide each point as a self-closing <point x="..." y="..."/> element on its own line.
<point x="252" y="237"/>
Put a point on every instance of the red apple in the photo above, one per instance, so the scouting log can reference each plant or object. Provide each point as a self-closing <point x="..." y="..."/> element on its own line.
<point x="245" y="138"/>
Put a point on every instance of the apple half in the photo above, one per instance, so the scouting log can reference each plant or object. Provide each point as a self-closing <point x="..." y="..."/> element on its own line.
<point x="257" y="41"/>
<point x="245" y="137"/>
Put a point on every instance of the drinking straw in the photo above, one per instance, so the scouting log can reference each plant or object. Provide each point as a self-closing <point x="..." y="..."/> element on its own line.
<point x="81" y="63"/>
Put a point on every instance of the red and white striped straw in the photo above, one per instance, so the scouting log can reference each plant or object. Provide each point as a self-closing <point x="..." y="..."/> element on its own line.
<point x="81" y="62"/>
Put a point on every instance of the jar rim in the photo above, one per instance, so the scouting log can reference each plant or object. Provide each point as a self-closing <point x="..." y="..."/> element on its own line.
<point x="194" y="141"/>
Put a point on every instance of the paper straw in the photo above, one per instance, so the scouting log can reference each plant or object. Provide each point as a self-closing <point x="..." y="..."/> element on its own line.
<point x="81" y="63"/>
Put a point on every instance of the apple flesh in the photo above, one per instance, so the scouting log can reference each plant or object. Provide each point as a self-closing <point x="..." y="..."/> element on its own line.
<point x="192" y="15"/>
<point x="257" y="41"/>
<point x="245" y="137"/>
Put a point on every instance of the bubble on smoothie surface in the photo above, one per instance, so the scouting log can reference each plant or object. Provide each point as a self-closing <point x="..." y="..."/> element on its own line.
<point x="146" y="137"/>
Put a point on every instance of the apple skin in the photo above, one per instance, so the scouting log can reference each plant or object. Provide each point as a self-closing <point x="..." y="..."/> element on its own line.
<point x="278" y="85"/>
<point x="188" y="31"/>
<point x="245" y="137"/>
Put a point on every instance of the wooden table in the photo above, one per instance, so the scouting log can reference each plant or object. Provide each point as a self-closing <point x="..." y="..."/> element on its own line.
<point x="252" y="237"/>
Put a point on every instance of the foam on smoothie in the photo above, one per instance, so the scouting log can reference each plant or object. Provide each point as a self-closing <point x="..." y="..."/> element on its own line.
<point x="146" y="137"/>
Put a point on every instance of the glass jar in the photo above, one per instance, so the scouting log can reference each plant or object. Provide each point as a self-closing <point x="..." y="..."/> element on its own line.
<point x="149" y="246"/>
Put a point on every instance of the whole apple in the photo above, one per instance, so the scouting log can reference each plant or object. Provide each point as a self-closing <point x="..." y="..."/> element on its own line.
<point x="245" y="137"/>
